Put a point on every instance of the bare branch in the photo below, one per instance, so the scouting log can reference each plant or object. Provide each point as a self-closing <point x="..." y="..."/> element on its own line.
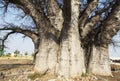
<point x="28" y="8"/>
<point x="84" y="16"/>
<point x="54" y="13"/>
<point x="111" y="25"/>
<point x="28" y="33"/>
<point x="34" y="10"/>
<point x="103" y="34"/>
<point x="115" y="43"/>
<point x="96" y="20"/>
<point x="3" y="39"/>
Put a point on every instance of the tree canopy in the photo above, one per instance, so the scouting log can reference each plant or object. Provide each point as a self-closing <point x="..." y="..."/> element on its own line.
<point x="21" y="17"/>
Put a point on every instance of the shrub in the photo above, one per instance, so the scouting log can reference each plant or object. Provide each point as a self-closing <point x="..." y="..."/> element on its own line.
<point x="8" y="55"/>
<point x="34" y="76"/>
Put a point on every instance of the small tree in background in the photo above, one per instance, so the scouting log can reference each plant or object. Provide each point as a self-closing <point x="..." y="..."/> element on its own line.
<point x="32" y="54"/>
<point x="26" y="54"/>
<point x="1" y="51"/>
<point x="17" y="53"/>
<point x="8" y="55"/>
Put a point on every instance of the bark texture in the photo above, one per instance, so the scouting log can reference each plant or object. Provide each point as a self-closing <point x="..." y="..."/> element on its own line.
<point x="71" y="53"/>
<point x="70" y="39"/>
<point x="99" y="61"/>
<point x="41" y="65"/>
<point x="46" y="60"/>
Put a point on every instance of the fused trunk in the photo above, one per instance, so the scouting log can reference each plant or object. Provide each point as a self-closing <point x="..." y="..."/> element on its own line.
<point x="71" y="55"/>
<point x="99" y="61"/>
<point x="71" y="62"/>
<point x="53" y="51"/>
<point x="46" y="58"/>
<point x="41" y="57"/>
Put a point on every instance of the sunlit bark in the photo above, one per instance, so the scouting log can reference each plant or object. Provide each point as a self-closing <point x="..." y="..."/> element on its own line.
<point x="66" y="40"/>
<point x="71" y="53"/>
<point x="99" y="62"/>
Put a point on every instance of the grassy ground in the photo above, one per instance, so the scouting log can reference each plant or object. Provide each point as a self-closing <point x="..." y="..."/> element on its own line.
<point x="21" y="69"/>
<point x="25" y="57"/>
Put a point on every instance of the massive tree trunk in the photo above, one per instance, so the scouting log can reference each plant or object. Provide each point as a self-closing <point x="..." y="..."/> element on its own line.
<point x="99" y="62"/>
<point x="99" y="59"/>
<point x="70" y="62"/>
<point x="46" y="58"/>
<point x="71" y="53"/>
<point x="41" y="57"/>
<point x="53" y="51"/>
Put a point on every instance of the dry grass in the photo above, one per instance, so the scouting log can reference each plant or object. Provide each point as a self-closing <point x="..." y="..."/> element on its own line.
<point x="115" y="66"/>
<point x="28" y="57"/>
<point x="17" y="65"/>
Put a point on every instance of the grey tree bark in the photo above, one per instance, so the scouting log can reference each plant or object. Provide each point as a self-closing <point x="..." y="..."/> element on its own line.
<point x="63" y="35"/>
<point x="71" y="53"/>
<point x="99" y="62"/>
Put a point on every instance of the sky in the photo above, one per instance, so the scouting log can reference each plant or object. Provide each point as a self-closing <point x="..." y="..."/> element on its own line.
<point x="18" y="18"/>
<point x="114" y="51"/>
<point x="17" y="42"/>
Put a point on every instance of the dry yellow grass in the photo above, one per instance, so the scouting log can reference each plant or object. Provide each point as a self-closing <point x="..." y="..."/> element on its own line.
<point x="25" y="57"/>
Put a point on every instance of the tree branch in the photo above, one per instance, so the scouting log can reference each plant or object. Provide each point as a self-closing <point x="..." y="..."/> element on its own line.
<point x="28" y="8"/>
<point x="28" y="33"/>
<point x="3" y="40"/>
<point x="35" y="11"/>
<point x="112" y="23"/>
<point x="110" y="26"/>
<point x="85" y="28"/>
<point x="54" y="13"/>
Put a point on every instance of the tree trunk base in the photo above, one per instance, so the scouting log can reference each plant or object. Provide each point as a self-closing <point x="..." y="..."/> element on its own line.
<point x="99" y="62"/>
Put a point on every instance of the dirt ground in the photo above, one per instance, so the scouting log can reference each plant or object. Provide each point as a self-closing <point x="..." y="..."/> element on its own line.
<point x="22" y="70"/>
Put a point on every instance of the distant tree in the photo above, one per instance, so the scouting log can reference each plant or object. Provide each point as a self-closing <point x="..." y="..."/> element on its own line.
<point x="1" y="53"/>
<point x="32" y="54"/>
<point x="26" y="53"/>
<point x="1" y="50"/>
<point x="17" y="53"/>
<point x="8" y="55"/>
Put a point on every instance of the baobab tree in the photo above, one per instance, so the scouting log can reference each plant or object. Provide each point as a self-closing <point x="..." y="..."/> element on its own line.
<point x="71" y="37"/>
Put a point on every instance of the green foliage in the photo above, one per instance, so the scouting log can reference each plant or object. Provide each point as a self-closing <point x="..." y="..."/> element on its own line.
<point x="84" y="75"/>
<point x="32" y="54"/>
<point x="1" y="53"/>
<point x="34" y="76"/>
<point x="26" y="53"/>
<point x="17" y="53"/>
<point x="8" y="55"/>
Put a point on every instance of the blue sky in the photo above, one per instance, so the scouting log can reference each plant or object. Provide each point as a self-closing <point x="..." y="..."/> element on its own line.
<point x="115" y="51"/>
<point x="17" y="42"/>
